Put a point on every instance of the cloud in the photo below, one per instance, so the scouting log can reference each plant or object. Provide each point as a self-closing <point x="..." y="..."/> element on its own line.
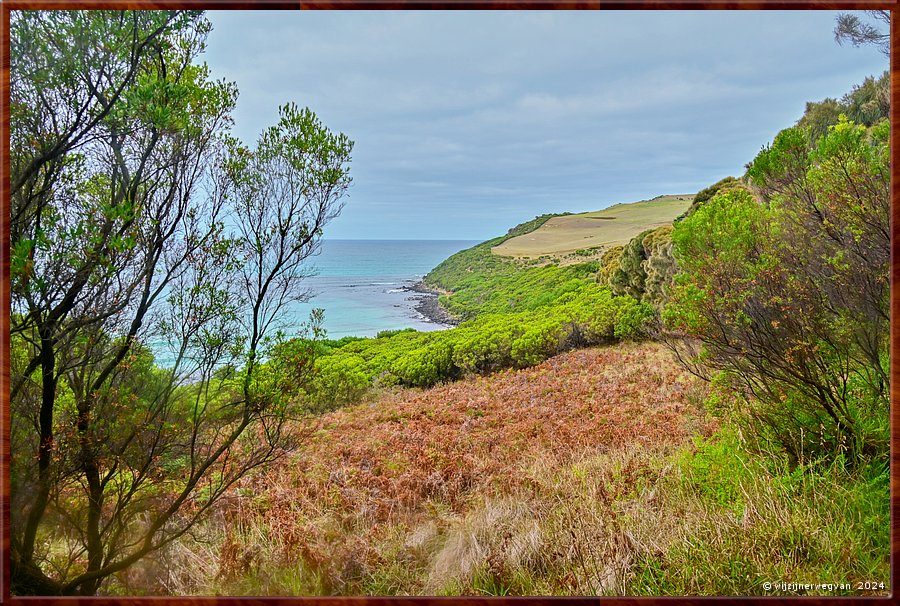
<point x="488" y="118"/>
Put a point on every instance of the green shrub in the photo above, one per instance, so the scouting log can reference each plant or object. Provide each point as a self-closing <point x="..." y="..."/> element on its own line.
<point x="427" y="366"/>
<point x="581" y="313"/>
<point x="339" y="380"/>
<point x="383" y="334"/>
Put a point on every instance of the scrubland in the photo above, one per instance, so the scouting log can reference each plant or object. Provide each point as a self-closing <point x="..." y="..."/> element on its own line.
<point x="598" y="471"/>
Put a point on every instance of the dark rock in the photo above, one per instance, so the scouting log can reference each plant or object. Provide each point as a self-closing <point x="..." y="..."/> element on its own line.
<point x="427" y="304"/>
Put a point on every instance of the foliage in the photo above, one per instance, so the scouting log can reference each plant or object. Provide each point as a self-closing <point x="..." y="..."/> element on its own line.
<point x="819" y="116"/>
<point x="490" y="342"/>
<point x="747" y="518"/>
<point x="704" y="195"/>
<point x="630" y="276"/>
<point x="137" y="219"/>
<point x="850" y="28"/>
<point x="609" y="263"/>
<point x="789" y="294"/>
<point x="645" y="267"/>
<point x="659" y="266"/>
<point x="868" y="103"/>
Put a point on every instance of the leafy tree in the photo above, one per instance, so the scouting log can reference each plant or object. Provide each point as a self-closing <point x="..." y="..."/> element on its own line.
<point x="818" y="116"/>
<point x="870" y="102"/>
<point x="850" y="28"/>
<point x="867" y="104"/>
<point x="787" y="293"/>
<point x="136" y="219"/>
<point x="63" y="84"/>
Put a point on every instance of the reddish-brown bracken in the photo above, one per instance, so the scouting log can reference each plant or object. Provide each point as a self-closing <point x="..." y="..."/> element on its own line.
<point x="387" y="462"/>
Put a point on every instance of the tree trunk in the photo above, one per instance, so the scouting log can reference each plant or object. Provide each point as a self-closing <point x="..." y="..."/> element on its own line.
<point x="45" y="448"/>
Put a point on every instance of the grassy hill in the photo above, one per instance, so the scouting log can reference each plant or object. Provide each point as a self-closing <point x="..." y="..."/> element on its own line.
<point x="597" y="230"/>
<point x="538" y="261"/>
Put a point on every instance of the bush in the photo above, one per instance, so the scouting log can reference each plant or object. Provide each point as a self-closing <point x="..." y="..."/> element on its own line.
<point x="609" y="263"/>
<point x="645" y="267"/>
<point x="339" y="380"/>
<point x="789" y="293"/>
<point x="582" y="314"/>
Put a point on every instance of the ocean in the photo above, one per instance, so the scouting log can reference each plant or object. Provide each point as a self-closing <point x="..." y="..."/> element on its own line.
<point x="363" y="285"/>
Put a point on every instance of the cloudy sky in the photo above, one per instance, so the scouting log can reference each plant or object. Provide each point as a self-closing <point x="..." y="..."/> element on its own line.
<point x="467" y="123"/>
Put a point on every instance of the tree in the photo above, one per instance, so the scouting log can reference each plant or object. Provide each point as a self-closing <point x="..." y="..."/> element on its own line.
<point x="63" y="84"/>
<point x="137" y="220"/>
<point x="785" y="293"/>
<point x="868" y="103"/>
<point x="819" y="116"/>
<point x="850" y="28"/>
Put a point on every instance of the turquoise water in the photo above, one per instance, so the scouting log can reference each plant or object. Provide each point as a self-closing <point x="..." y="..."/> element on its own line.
<point x="363" y="286"/>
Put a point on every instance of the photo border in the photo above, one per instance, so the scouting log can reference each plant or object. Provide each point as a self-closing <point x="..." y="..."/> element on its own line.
<point x="11" y="5"/>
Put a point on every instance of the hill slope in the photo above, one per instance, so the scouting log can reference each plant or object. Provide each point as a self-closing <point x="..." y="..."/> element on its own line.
<point x="381" y="498"/>
<point x="591" y="473"/>
<point x="600" y="229"/>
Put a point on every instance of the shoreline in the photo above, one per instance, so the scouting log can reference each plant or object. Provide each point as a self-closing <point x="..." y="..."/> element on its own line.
<point x="427" y="304"/>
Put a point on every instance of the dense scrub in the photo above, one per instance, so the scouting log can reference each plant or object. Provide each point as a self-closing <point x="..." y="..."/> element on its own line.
<point x="585" y="315"/>
<point x="787" y="292"/>
<point x="510" y="288"/>
<point x="775" y="285"/>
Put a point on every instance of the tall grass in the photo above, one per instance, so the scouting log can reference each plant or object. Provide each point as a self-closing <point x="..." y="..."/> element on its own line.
<point x="435" y="493"/>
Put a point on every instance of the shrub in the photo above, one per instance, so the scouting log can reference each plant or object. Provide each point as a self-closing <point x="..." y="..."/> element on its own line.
<point x="339" y="380"/>
<point x="789" y="293"/>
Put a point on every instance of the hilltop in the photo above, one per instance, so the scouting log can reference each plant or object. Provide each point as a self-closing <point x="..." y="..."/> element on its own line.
<point x="596" y="231"/>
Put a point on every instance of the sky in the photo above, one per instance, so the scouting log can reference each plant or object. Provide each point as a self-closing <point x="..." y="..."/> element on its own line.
<point x="467" y="123"/>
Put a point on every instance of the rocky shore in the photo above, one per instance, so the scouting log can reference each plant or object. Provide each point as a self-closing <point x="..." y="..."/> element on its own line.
<point x="427" y="304"/>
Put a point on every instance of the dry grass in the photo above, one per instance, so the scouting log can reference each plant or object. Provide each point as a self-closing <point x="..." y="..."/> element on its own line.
<point x="576" y="477"/>
<point x="439" y="491"/>
<point x="601" y="229"/>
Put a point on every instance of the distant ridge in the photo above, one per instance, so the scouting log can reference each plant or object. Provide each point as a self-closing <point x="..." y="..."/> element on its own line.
<point x="596" y="230"/>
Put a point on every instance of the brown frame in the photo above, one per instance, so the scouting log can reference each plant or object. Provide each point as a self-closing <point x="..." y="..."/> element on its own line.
<point x="10" y="5"/>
